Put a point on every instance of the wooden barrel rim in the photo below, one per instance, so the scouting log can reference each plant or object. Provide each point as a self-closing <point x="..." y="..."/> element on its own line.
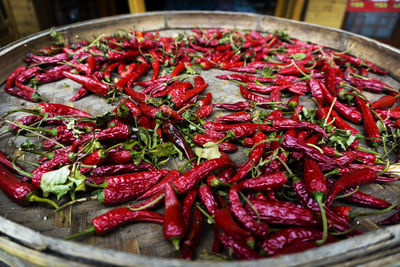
<point x="47" y="250"/>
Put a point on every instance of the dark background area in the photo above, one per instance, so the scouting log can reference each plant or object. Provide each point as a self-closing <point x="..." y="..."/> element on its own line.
<point x="20" y="18"/>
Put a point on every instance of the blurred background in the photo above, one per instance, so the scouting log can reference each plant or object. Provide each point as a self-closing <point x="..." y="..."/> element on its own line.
<point x="375" y="19"/>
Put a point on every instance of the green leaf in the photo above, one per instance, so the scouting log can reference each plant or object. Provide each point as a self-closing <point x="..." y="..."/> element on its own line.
<point x="123" y="111"/>
<point x="56" y="182"/>
<point x="267" y="72"/>
<point x="57" y="35"/>
<point x="103" y="119"/>
<point x="299" y="56"/>
<point x="282" y="35"/>
<point x="209" y="151"/>
<point x="137" y="156"/>
<point x="78" y="179"/>
<point x="163" y="150"/>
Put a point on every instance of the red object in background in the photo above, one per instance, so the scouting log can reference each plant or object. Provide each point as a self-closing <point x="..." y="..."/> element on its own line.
<point x="373" y="6"/>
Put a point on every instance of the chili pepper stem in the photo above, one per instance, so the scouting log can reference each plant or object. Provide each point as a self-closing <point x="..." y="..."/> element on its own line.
<point x="210" y="219"/>
<point x="149" y="204"/>
<point x="348" y="194"/>
<point x="318" y="196"/>
<point x="41" y="135"/>
<point x="22" y="172"/>
<point x="175" y="243"/>
<point x="85" y="232"/>
<point x="347" y="231"/>
<point x="377" y="212"/>
<point x="35" y="198"/>
<point x="69" y="203"/>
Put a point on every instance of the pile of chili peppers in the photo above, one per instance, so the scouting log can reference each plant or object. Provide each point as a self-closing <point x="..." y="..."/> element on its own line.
<point x="301" y="165"/>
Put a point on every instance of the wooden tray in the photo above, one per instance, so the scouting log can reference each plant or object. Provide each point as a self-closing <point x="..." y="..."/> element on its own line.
<point x="29" y="236"/>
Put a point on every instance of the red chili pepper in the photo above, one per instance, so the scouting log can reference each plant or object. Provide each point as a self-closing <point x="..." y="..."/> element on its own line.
<point x="239" y="248"/>
<point x="262" y="89"/>
<point x="371" y="129"/>
<point x="187" y="206"/>
<point x="173" y="226"/>
<point x="385" y="102"/>
<point x="280" y="212"/>
<point x="315" y="182"/>
<point x="224" y="220"/>
<point x="288" y="124"/>
<point x="254" y="97"/>
<point x="11" y="78"/>
<point x="392" y="220"/>
<point x="180" y="100"/>
<point x="179" y="68"/>
<point x="188" y="181"/>
<point x="176" y="137"/>
<point x="242" y="105"/>
<point x="80" y="94"/>
<point x="289" y="236"/>
<point x="245" y="78"/>
<point x="121" y="55"/>
<point x="317" y="92"/>
<point x="345" y="111"/>
<point x="109" y="170"/>
<point x="307" y="201"/>
<point x="125" y="187"/>
<point x="356" y="178"/>
<point x="240" y="116"/>
<point x="19" y="191"/>
<point x="54" y="110"/>
<point x="140" y="70"/>
<point x="264" y="182"/>
<point x="109" y="69"/>
<point x="91" y="84"/>
<point x="150" y="111"/>
<point x="260" y="229"/>
<point x="207" y="198"/>
<point x="338" y="121"/>
<point x="117" y="217"/>
<point x="192" y="240"/>
<point x="201" y="140"/>
<point x="254" y="158"/>
<point x="205" y="101"/>
<point x="28" y="95"/>
<point x="159" y="187"/>
<point x="46" y="59"/>
<point x="240" y="130"/>
<point x="292" y="144"/>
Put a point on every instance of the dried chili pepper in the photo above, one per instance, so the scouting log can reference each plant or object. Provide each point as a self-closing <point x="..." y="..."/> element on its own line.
<point x="260" y="229"/>
<point x="116" y="218"/>
<point x="173" y="226"/>
<point x="371" y="129"/>
<point x="237" y="247"/>
<point x="109" y="170"/>
<point x="279" y="212"/>
<point x="201" y="140"/>
<point x="207" y="198"/>
<point x="192" y="240"/>
<point x="264" y="182"/>
<point x="356" y="178"/>
<point x="315" y="182"/>
<point x="125" y="187"/>
<point x="254" y="158"/>
<point x="187" y="181"/>
<point x="91" y="84"/>
<point x="19" y="191"/>
<point x="175" y="136"/>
